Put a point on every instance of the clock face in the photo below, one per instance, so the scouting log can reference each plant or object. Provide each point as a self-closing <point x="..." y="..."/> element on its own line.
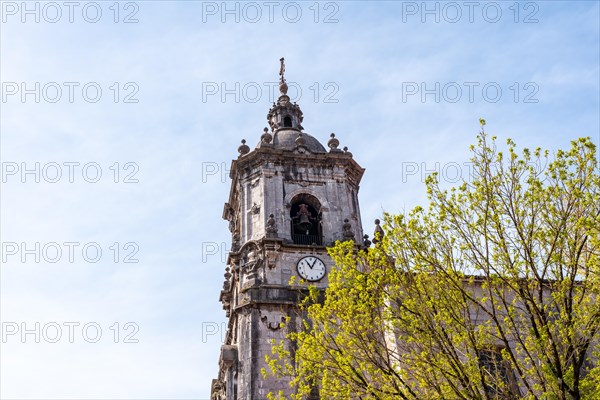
<point x="311" y="268"/>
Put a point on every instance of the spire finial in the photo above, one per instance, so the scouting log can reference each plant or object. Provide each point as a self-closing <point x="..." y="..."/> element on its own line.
<point x="283" y="87"/>
<point x="282" y="68"/>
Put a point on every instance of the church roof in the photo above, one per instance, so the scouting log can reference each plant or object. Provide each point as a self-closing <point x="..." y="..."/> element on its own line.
<point x="286" y="139"/>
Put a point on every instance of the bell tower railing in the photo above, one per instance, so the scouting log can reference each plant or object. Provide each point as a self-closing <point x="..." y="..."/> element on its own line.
<point x="307" y="240"/>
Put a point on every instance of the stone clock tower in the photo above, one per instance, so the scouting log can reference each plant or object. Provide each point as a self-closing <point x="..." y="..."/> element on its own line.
<point x="290" y="198"/>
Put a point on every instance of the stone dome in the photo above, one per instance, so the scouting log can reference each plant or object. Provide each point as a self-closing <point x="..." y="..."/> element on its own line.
<point x="286" y="139"/>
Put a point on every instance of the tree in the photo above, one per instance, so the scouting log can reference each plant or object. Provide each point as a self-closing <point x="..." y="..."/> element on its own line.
<point x="489" y="293"/>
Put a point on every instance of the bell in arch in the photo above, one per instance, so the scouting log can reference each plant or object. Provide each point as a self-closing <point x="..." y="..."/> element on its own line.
<point x="304" y="217"/>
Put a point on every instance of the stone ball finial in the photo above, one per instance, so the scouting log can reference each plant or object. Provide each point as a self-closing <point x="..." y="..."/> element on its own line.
<point x="333" y="143"/>
<point x="378" y="234"/>
<point x="283" y="87"/>
<point x="271" y="226"/>
<point x="347" y="228"/>
<point x="243" y="149"/>
<point x="366" y="241"/>
<point x="345" y="149"/>
<point x="266" y="137"/>
<point x="300" y="141"/>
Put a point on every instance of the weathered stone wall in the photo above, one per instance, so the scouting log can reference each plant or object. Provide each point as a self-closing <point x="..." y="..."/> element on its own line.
<point x="259" y="294"/>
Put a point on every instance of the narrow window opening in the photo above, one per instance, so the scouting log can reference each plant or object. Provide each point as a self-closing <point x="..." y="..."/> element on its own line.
<point x="287" y="121"/>
<point x="500" y="382"/>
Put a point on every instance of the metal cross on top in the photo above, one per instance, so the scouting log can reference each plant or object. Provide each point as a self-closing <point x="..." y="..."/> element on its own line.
<point x="282" y="68"/>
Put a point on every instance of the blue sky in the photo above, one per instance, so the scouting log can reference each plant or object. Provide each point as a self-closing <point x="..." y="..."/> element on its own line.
<point x="361" y="68"/>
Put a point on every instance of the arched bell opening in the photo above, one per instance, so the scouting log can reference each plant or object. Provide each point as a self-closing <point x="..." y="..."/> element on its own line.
<point x="305" y="215"/>
<point x="287" y="121"/>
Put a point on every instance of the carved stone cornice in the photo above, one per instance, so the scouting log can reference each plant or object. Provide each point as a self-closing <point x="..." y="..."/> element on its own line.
<point x="263" y="156"/>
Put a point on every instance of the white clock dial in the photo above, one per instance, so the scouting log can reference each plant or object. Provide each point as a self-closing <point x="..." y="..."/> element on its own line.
<point x="311" y="268"/>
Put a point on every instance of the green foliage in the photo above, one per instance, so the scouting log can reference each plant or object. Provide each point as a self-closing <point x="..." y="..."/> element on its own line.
<point x="489" y="293"/>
